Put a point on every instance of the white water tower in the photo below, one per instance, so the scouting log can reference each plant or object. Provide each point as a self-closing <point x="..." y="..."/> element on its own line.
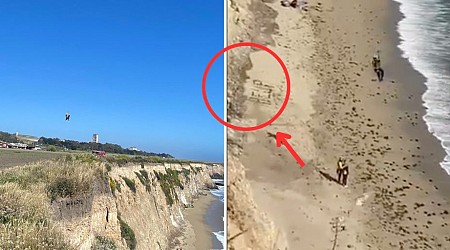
<point x="95" y="138"/>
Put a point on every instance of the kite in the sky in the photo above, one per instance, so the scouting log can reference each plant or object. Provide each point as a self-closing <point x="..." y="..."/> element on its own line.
<point x="67" y="116"/>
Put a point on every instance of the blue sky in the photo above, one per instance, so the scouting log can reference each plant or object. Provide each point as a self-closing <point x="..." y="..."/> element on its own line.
<point x="128" y="70"/>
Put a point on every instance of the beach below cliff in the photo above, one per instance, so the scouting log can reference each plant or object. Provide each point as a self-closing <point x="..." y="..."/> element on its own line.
<point x="337" y="108"/>
<point x="200" y="223"/>
<point x="196" y="233"/>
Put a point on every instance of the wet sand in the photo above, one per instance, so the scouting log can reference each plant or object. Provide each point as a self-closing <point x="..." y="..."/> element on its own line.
<point x="396" y="195"/>
<point x="198" y="234"/>
<point x="214" y="218"/>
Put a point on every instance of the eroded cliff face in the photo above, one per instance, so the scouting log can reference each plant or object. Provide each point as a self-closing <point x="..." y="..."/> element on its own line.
<point x="134" y="207"/>
<point x="82" y="219"/>
<point x="248" y="226"/>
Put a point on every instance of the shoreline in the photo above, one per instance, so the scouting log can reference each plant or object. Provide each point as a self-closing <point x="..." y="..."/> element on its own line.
<point x="418" y="79"/>
<point x="396" y="194"/>
<point x="405" y="27"/>
<point x="195" y="233"/>
<point x="198" y="233"/>
<point x="215" y="222"/>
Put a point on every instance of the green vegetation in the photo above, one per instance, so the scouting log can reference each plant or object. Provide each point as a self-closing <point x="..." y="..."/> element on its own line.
<point x="127" y="233"/>
<point x="168" y="182"/>
<point x="86" y="158"/>
<point x="145" y="174"/>
<point x="55" y="144"/>
<point x="88" y="146"/>
<point x="118" y="186"/>
<point x="143" y="178"/>
<point x="59" y="178"/>
<point x="123" y="159"/>
<point x="108" y="167"/>
<point x="120" y="160"/>
<point x="25" y="195"/>
<point x="103" y="243"/>
<point x="25" y="221"/>
<point x="140" y="177"/>
<point x="130" y="184"/>
<point x="61" y="187"/>
<point x="19" y="157"/>
<point x="186" y="173"/>
<point x="7" y="137"/>
<point x="173" y="177"/>
<point x="112" y="185"/>
<point x="68" y="158"/>
<point x="196" y="170"/>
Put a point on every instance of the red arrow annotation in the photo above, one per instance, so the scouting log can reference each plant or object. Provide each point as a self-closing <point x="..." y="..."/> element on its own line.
<point x="282" y="139"/>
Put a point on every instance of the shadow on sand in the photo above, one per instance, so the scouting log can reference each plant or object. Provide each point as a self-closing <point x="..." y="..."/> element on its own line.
<point x="329" y="177"/>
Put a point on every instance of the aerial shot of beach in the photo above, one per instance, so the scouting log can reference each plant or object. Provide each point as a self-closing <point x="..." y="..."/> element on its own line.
<point x="391" y="133"/>
<point x="105" y="142"/>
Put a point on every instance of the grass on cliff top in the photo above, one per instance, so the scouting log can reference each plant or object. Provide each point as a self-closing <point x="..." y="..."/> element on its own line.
<point x="122" y="160"/>
<point x="18" y="157"/>
<point x="25" y="220"/>
<point x="66" y="177"/>
<point x="25" y="196"/>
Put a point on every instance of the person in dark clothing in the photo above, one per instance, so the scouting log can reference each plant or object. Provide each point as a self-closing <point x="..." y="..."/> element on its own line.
<point x="345" y="175"/>
<point x="342" y="172"/>
<point x="339" y="171"/>
<point x="376" y="64"/>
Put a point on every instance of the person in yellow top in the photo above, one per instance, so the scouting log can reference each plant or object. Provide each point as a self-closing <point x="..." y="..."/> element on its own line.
<point x="342" y="172"/>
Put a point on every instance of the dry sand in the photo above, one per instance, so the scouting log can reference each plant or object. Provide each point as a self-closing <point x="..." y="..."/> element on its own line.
<point x="396" y="195"/>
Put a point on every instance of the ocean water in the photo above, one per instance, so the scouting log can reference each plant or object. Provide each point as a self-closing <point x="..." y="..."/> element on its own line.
<point x="425" y="42"/>
<point x="220" y="194"/>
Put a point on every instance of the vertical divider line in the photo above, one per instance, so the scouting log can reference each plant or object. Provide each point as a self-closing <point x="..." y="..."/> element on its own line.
<point x="225" y="115"/>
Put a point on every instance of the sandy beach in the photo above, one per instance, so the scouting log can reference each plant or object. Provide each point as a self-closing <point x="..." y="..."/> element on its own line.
<point x="214" y="218"/>
<point x="197" y="234"/>
<point x="396" y="195"/>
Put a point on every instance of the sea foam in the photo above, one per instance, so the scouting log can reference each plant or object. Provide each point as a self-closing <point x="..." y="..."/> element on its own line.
<point x="425" y="42"/>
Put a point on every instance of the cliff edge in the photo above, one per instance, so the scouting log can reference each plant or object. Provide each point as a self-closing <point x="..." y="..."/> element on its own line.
<point x="82" y="203"/>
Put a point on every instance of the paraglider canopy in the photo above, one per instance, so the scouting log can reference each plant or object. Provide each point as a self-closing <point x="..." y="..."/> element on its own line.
<point x="67" y="116"/>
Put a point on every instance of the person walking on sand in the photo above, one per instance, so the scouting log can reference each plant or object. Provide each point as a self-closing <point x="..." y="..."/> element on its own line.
<point x="376" y="64"/>
<point x="345" y="175"/>
<point x="342" y="172"/>
<point x="340" y="167"/>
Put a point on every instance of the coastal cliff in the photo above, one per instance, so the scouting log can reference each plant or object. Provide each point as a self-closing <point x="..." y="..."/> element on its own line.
<point x="249" y="227"/>
<point x="87" y="204"/>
